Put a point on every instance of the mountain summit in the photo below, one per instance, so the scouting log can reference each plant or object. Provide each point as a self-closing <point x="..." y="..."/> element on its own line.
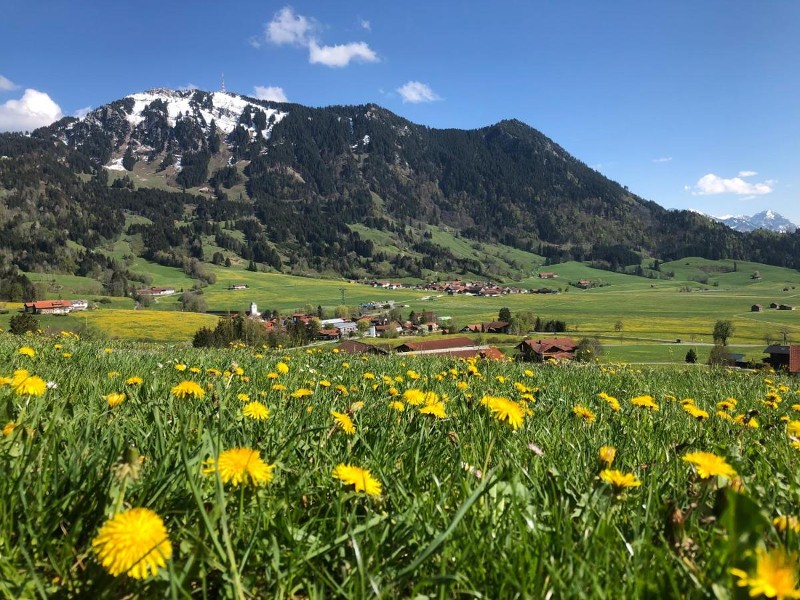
<point x="766" y="219"/>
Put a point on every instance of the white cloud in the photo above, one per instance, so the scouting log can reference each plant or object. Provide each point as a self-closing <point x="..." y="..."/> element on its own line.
<point x="416" y="92"/>
<point x="188" y="87"/>
<point x="341" y="54"/>
<point x="6" y="85"/>
<point x="34" y="109"/>
<point x="287" y="27"/>
<point x="366" y="25"/>
<point x="711" y="184"/>
<point x="82" y="112"/>
<point x="663" y="159"/>
<point x="272" y="93"/>
<point x="747" y="173"/>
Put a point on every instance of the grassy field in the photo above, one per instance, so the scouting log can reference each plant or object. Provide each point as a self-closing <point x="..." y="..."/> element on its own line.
<point x="435" y="479"/>
<point x="638" y="318"/>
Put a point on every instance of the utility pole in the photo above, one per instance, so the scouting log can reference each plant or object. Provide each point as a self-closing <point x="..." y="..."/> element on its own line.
<point x="342" y="290"/>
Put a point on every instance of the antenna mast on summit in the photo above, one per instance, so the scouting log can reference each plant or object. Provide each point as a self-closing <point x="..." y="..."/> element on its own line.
<point x="223" y="83"/>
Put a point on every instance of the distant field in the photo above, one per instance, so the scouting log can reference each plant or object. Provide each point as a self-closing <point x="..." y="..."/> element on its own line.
<point x="636" y="318"/>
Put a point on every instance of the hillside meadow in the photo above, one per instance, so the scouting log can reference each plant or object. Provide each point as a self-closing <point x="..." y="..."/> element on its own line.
<point x="636" y="318"/>
<point x="152" y="471"/>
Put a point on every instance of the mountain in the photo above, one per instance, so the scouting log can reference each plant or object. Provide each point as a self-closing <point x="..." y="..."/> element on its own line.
<point x="187" y="177"/>
<point x="766" y="219"/>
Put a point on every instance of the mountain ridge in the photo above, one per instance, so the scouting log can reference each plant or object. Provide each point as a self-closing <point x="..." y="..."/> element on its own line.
<point x="346" y="190"/>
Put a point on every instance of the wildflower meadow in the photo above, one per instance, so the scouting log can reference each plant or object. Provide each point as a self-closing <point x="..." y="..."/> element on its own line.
<point x="146" y="471"/>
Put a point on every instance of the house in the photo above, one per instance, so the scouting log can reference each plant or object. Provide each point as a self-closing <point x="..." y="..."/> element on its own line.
<point x="237" y="286"/>
<point x="48" y="307"/>
<point x="80" y="304"/>
<point x="154" y="292"/>
<point x="785" y="307"/>
<point x="356" y="347"/>
<point x="346" y="328"/>
<point x="783" y="357"/>
<point x="541" y="350"/>
<point x="441" y="345"/>
<point x="496" y="327"/>
<point x="547" y="275"/>
<point x="584" y="284"/>
<point x="328" y="334"/>
<point x="756" y="308"/>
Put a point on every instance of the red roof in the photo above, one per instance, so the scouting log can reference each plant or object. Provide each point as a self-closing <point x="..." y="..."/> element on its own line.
<point x="794" y="359"/>
<point x="45" y="304"/>
<point x="437" y="344"/>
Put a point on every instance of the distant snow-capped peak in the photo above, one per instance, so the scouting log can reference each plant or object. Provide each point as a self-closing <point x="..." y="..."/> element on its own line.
<point x="767" y="219"/>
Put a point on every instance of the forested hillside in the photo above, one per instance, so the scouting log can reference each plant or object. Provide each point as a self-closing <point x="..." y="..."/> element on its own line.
<point x="192" y="176"/>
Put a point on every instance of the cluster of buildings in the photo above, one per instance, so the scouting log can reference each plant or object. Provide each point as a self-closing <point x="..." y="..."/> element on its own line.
<point x="54" y="307"/>
<point x="468" y="288"/>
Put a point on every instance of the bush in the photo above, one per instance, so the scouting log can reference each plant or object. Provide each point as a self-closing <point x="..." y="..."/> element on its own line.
<point x="22" y="323"/>
<point x="691" y="356"/>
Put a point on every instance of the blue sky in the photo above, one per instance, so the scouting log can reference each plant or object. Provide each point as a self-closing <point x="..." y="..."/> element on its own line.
<point x="691" y="104"/>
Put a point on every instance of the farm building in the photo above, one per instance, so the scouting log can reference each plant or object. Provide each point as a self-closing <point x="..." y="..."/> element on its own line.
<point x="48" y="307"/>
<point x="155" y="292"/>
<point x="547" y="275"/>
<point x="541" y="350"/>
<point x="756" y="308"/>
<point x="356" y="347"/>
<point x="783" y="357"/>
<point x="440" y="345"/>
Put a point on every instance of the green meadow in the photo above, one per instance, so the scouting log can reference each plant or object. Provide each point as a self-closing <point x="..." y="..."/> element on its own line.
<point x="145" y="471"/>
<point x="636" y="318"/>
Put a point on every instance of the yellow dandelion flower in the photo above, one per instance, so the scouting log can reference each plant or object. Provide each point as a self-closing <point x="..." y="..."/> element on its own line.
<point x="214" y="372"/>
<point x="25" y="384"/>
<point x="412" y="374"/>
<point x="462" y="385"/>
<point x="255" y="410"/>
<point x="528" y="373"/>
<point x="697" y="413"/>
<point x="784" y="522"/>
<point x="282" y="368"/>
<point x="114" y="398"/>
<point x="796" y="407"/>
<point x="729" y="404"/>
<point x="775" y="576"/>
<point x="279" y="387"/>
<point x="301" y="393"/>
<point x="432" y="398"/>
<point x="27" y="351"/>
<point x="344" y="422"/>
<point x="240" y="466"/>
<point x="397" y="405"/>
<point x="619" y="480"/>
<point x="645" y="402"/>
<point x="362" y="479"/>
<point x="135" y="380"/>
<point x="368" y="375"/>
<point x="414" y="396"/>
<point x="436" y="409"/>
<point x="607" y="455"/>
<point x="325" y="383"/>
<point x="67" y="355"/>
<point x="584" y="413"/>
<point x="356" y="406"/>
<point x="180" y="367"/>
<point x="612" y="402"/>
<point x="752" y="423"/>
<point x="504" y="409"/>
<point x="8" y="428"/>
<point x="134" y="543"/>
<point x="793" y="428"/>
<point x="709" y="465"/>
<point x="108" y="350"/>
<point x="188" y="388"/>
<point x="393" y="391"/>
<point x="195" y="370"/>
<point x="243" y="397"/>
<point x="796" y="444"/>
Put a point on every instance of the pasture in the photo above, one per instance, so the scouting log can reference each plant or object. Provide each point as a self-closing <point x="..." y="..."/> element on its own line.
<point x="153" y="471"/>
